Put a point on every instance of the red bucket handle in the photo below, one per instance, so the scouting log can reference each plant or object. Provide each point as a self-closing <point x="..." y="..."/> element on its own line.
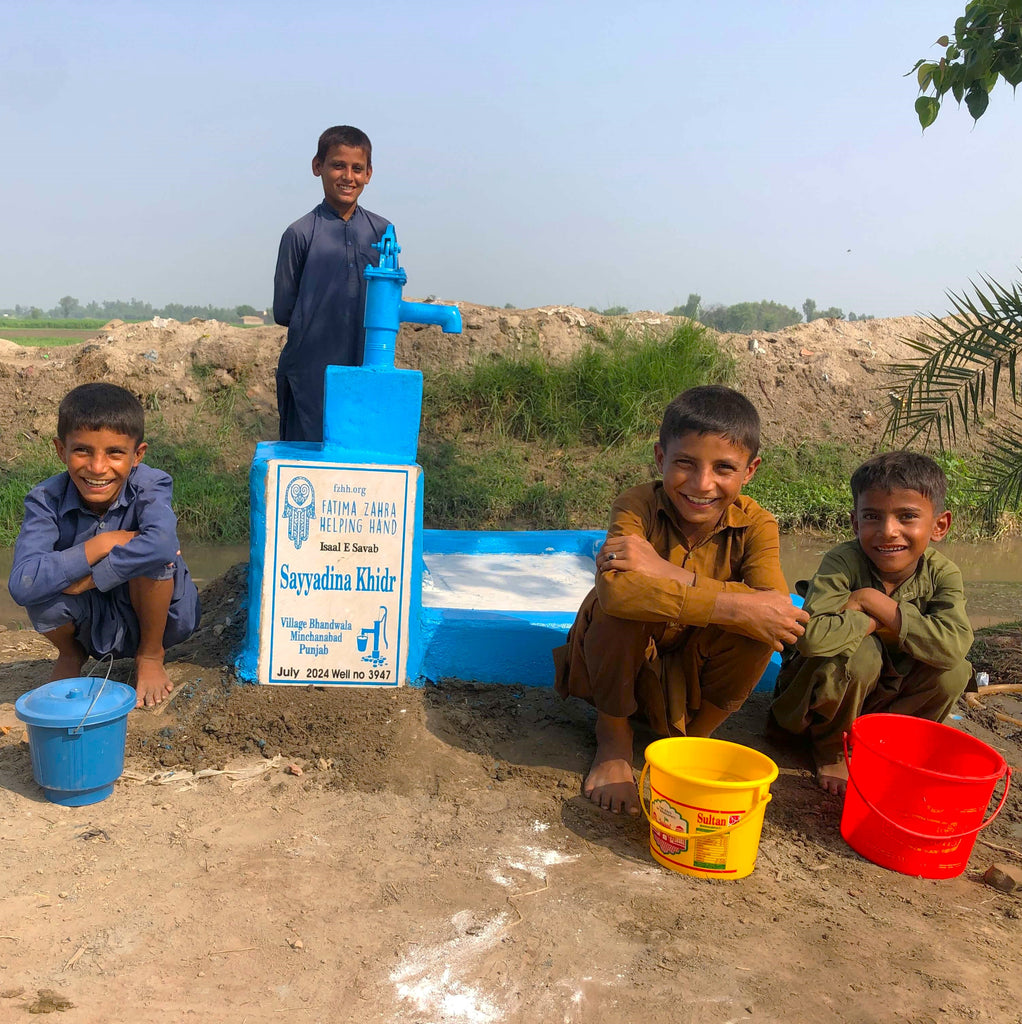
<point x="925" y="835"/>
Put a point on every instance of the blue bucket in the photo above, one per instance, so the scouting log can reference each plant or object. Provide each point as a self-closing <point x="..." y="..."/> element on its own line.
<point x="76" y="734"/>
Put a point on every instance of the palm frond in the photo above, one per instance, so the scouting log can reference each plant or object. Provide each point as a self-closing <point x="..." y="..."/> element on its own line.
<point x="999" y="478"/>
<point x="961" y="363"/>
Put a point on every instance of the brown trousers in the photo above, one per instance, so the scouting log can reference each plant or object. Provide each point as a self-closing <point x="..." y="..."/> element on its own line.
<point x="660" y="670"/>
<point x="821" y="697"/>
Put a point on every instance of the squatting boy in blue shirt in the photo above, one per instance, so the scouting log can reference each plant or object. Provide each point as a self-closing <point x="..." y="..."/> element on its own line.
<point x="318" y="288"/>
<point x="97" y="563"/>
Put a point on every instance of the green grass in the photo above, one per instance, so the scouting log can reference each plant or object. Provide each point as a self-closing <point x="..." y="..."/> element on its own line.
<point x="614" y="388"/>
<point x="806" y="487"/>
<point x="43" y="341"/>
<point x="50" y="323"/>
<point x="36" y="464"/>
<point x="210" y="499"/>
<point x="524" y="485"/>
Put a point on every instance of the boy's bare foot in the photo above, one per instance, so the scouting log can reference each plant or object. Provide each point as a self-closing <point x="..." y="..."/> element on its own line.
<point x="67" y="666"/>
<point x="152" y="683"/>
<point x="833" y="778"/>
<point x="610" y="783"/>
<point x="70" y="653"/>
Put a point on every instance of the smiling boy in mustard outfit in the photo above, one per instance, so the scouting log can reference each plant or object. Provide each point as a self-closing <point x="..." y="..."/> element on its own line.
<point x="887" y="628"/>
<point x="690" y="601"/>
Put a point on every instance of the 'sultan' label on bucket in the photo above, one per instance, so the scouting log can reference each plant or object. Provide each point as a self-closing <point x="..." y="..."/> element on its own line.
<point x="712" y="853"/>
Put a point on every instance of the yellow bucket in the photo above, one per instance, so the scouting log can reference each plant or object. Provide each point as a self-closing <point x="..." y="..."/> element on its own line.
<point x="707" y="799"/>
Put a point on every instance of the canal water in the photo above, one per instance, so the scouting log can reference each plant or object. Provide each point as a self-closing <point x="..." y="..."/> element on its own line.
<point x="992" y="572"/>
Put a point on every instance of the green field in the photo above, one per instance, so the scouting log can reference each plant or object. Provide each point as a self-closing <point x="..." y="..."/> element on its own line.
<point x="48" y="323"/>
<point x="45" y="337"/>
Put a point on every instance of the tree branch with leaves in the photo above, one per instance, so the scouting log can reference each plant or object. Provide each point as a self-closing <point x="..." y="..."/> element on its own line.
<point x="986" y="45"/>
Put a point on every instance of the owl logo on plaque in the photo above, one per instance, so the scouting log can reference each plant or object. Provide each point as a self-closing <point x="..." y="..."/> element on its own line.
<point x="299" y="508"/>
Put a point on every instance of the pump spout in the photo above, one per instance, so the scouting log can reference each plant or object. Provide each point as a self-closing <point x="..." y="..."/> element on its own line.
<point x="385" y="309"/>
<point x="447" y="318"/>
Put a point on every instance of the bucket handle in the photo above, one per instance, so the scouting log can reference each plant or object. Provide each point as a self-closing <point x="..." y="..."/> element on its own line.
<point x="926" y="835"/>
<point x="747" y="816"/>
<point x="77" y="730"/>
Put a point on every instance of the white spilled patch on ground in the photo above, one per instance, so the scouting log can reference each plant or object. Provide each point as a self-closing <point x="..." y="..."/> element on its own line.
<point x="540" y="826"/>
<point x="557" y="581"/>
<point x="535" y="861"/>
<point x="431" y="977"/>
<point x="532" y="860"/>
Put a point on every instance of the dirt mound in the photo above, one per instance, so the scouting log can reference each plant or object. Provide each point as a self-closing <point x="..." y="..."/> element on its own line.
<point x="831" y="367"/>
<point x="825" y="379"/>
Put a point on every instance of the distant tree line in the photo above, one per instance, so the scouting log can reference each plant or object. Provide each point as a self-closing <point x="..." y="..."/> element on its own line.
<point x="755" y="316"/>
<point x="69" y="307"/>
<point x="743" y="316"/>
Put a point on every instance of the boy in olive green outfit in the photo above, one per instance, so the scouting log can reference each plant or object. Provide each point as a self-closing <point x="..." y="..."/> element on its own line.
<point x="887" y="628"/>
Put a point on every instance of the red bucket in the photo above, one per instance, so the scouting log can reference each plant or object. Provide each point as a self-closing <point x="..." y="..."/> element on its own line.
<point x="917" y="793"/>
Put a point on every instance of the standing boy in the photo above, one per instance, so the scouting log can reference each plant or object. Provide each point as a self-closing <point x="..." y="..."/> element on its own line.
<point x="318" y="289"/>
<point x="97" y="563"/>
<point x="690" y="600"/>
<point x="887" y="628"/>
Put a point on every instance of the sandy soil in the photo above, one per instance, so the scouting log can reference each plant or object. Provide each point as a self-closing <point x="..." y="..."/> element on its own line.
<point x="434" y="862"/>
<point x="424" y="855"/>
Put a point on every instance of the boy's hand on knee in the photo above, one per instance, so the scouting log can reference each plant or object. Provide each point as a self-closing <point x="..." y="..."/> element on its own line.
<point x="765" y="615"/>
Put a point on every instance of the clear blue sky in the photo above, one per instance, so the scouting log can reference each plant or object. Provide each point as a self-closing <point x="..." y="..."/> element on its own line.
<point x="535" y="153"/>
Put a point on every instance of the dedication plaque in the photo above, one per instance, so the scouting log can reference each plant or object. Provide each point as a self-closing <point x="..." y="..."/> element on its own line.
<point x="337" y="572"/>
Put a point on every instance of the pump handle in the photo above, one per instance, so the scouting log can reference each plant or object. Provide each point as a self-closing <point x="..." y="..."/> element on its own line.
<point x="388" y="249"/>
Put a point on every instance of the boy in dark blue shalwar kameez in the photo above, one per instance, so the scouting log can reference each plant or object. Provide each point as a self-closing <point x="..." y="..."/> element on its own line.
<point x="318" y="288"/>
<point x="97" y="563"/>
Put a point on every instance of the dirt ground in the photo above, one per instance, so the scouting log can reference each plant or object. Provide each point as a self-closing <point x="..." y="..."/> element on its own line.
<point x="434" y="863"/>
<point x="423" y="855"/>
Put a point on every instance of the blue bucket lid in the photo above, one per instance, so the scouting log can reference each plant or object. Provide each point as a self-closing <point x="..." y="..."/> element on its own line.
<point x="65" y="703"/>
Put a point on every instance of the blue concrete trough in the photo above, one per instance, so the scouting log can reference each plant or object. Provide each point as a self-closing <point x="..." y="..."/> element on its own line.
<point x="496" y="603"/>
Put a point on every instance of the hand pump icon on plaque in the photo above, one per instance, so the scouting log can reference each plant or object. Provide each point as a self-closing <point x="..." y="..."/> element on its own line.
<point x="378" y="631"/>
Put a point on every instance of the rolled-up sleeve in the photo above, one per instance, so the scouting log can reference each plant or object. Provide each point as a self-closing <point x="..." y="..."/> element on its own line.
<point x="634" y="595"/>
